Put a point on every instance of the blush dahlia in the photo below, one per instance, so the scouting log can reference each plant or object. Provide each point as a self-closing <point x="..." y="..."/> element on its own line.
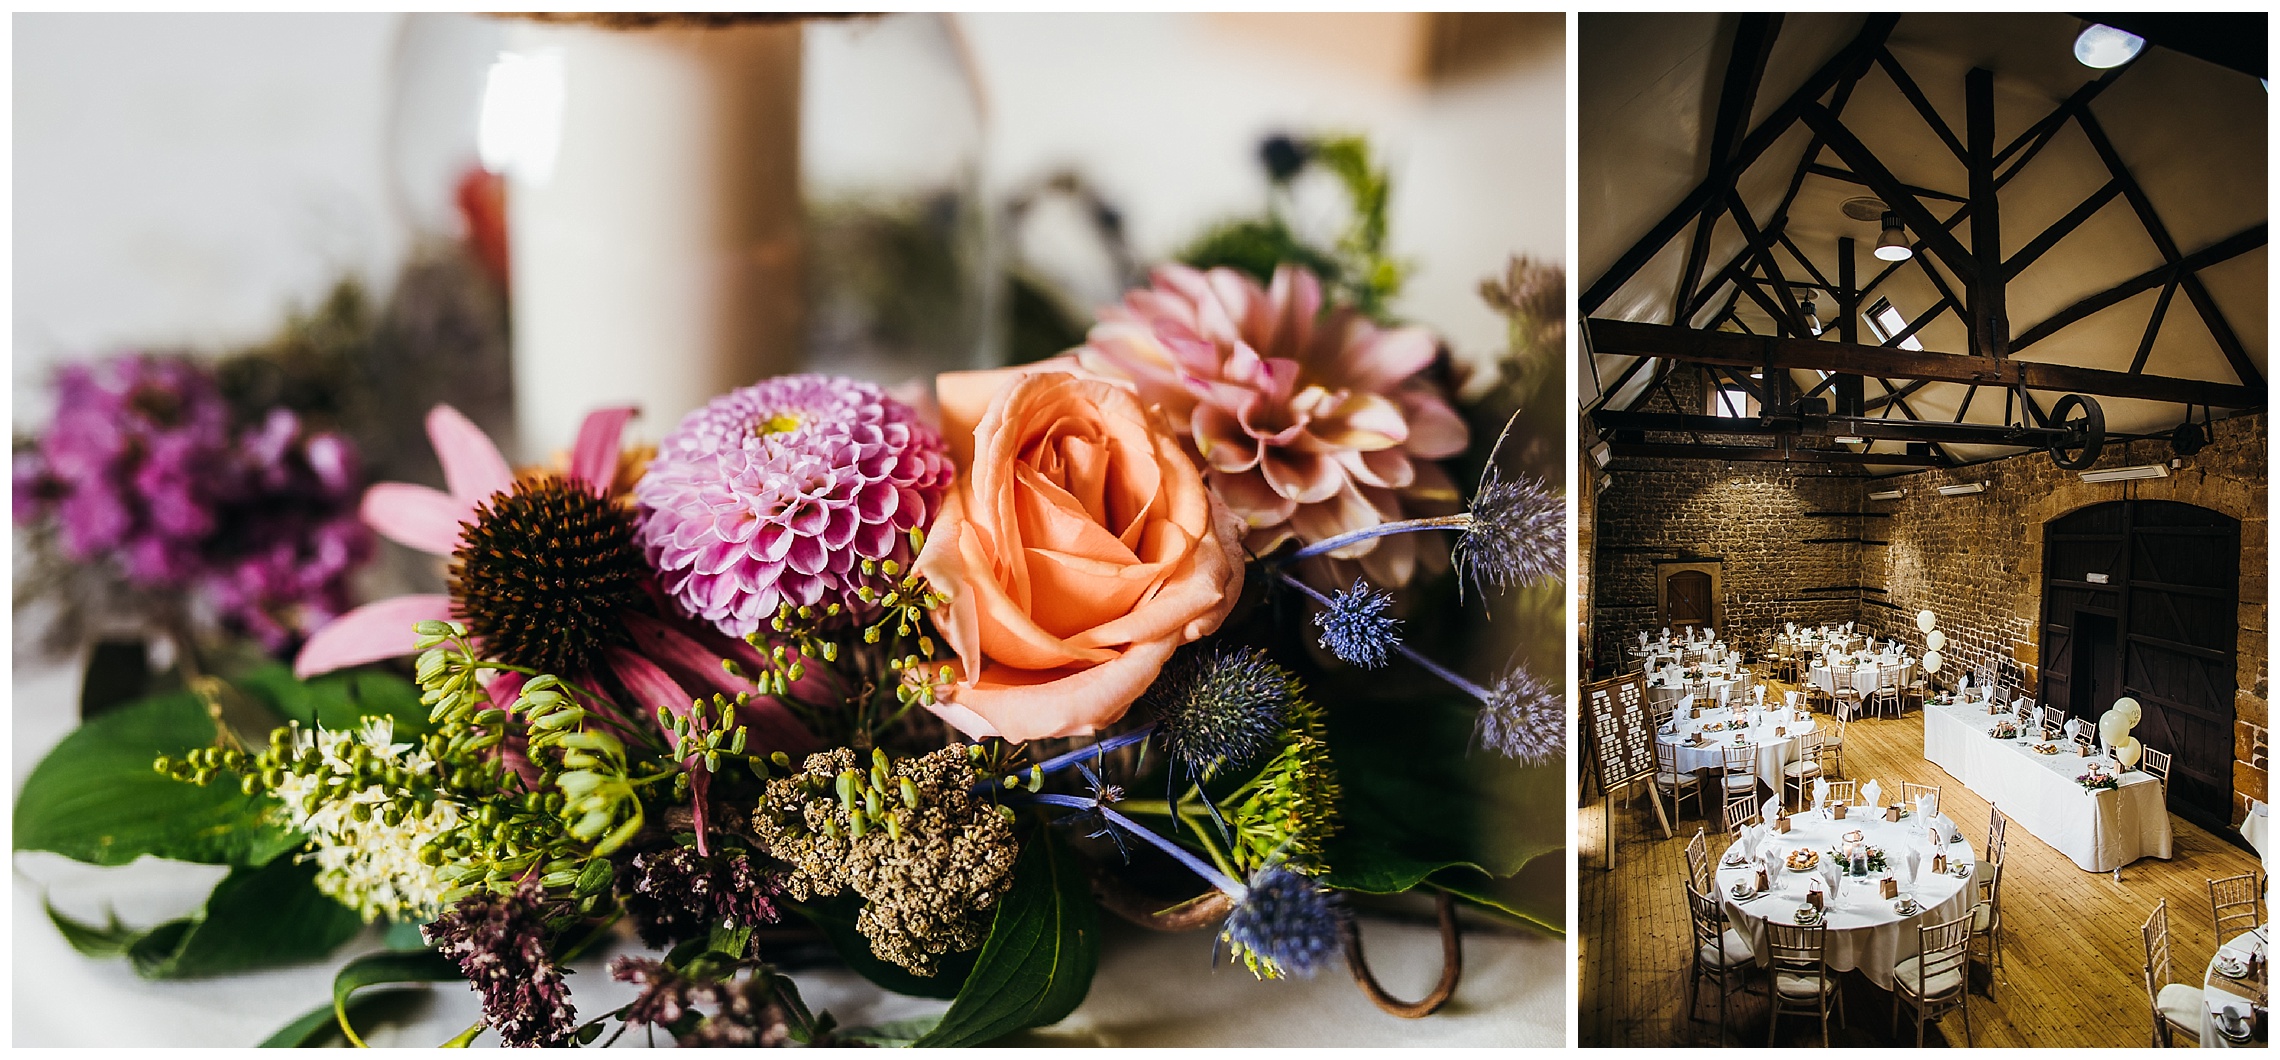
<point x="777" y="493"/>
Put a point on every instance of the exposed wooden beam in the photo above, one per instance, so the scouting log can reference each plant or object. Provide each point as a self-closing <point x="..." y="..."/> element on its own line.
<point x="2225" y="249"/>
<point x="1805" y="263"/>
<point x="2152" y="327"/>
<point x="1881" y="402"/>
<point x="1846" y="65"/>
<point x="1915" y="96"/>
<point x="1862" y="161"/>
<point x="1608" y="394"/>
<point x="1794" y="318"/>
<point x="2219" y="329"/>
<point x="1989" y="318"/>
<point x="1660" y="451"/>
<point x="1917" y="324"/>
<point x="1754" y="35"/>
<point x="2040" y="134"/>
<point x="2060" y="229"/>
<point x="1822" y="169"/>
<point x="1939" y="284"/>
<point x="1750" y="351"/>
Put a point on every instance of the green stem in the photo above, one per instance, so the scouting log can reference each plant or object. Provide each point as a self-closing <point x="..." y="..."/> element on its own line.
<point x="463" y="1039"/>
<point x="587" y="943"/>
<point x="1203" y="836"/>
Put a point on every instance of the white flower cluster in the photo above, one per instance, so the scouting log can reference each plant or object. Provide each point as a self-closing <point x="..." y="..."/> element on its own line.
<point x="365" y="861"/>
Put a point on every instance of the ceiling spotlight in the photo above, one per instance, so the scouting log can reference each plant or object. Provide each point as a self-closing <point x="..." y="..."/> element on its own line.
<point x="1812" y="320"/>
<point x="1893" y="244"/>
<point x="2102" y="47"/>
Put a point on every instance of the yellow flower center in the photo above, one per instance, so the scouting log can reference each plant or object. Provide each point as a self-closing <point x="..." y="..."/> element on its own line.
<point x="779" y="423"/>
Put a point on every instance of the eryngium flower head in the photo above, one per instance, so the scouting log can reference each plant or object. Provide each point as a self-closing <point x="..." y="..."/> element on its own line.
<point x="1284" y="925"/>
<point x="676" y="894"/>
<point x="1288" y="812"/>
<point x="778" y="492"/>
<point x="1310" y="419"/>
<point x="499" y="942"/>
<point x="1523" y="719"/>
<point x="1518" y="534"/>
<point x="1357" y="629"/>
<point x="1223" y="704"/>
<point x="929" y="859"/>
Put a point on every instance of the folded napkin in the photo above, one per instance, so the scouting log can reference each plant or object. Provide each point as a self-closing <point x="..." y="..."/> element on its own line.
<point x="1686" y="702"/>
<point x="1766" y="812"/>
<point x="1820" y="791"/>
<point x="1924" y="807"/>
<point x="2076" y="728"/>
<point x="1871" y="794"/>
<point x="1915" y="861"/>
<point x="1792" y="696"/>
<point x="1761" y="695"/>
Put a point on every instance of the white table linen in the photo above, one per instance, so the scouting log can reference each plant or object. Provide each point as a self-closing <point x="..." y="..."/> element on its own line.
<point x="1866" y="933"/>
<point x="2099" y="831"/>
<point x="2257" y="829"/>
<point x="1774" y="753"/>
<point x="2219" y="990"/>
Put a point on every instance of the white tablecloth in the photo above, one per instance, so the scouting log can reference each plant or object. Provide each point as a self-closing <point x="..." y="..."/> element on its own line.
<point x="2257" y="829"/>
<point x="1666" y="696"/>
<point x="2100" y="831"/>
<point x="1861" y="678"/>
<point x="1774" y="753"/>
<point x="2217" y="990"/>
<point x="1865" y="931"/>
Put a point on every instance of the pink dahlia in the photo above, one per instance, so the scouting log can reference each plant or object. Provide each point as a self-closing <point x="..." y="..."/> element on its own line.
<point x="1310" y="421"/>
<point x="775" y="494"/>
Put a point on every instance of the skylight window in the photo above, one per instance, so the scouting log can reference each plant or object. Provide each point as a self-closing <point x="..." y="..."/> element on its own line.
<point x="1885" y="320"/>
<point x="1732" y="402"/>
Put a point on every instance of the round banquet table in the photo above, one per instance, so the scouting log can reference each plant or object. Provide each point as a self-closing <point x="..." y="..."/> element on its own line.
<point x="1865" y="931"/>
<point x="2219" y="990"/>
<point x="1665" y="693"/>
<point x="1861" y="678"/>
<point x="1774" y="752"/>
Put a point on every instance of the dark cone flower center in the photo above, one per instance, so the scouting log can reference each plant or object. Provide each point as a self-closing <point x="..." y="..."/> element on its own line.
<point x="543" y="574"/>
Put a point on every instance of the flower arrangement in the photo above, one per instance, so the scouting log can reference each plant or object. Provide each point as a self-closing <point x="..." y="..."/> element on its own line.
<point x="825" y="657"/>
<point x="2097" y="780"/>
<point x="2004" y="730"/>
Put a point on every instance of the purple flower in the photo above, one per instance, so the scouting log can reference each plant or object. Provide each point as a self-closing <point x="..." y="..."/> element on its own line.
<point x="499" y="943"/>
<point x="142" y="470"/>
<point x="776" y="493"/>
<point x="678" y="894"/>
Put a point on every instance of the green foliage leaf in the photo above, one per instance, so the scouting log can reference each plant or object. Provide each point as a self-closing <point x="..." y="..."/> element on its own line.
<point x="380" y="969"/>
<point x="95" y="798"/>
<point x="1038" y="961"/>
<point x="1420" y="799"/>
<point x="338" y="700"/>
<point x="837" y="919"/>
<point x="893" y="1034"/>
<point x="110" y="940"/>
<point x="118" y="673"/>
<point x="255" y="918"/>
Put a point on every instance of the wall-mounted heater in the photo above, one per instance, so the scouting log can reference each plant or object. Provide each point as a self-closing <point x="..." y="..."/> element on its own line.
<point x="2124" y="474"/>
<point x="1963" y="489"/>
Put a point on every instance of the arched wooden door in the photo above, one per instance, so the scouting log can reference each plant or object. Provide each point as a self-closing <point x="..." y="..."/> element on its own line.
<point x="2140" y="599"/>
<point x="1687" y="599"/>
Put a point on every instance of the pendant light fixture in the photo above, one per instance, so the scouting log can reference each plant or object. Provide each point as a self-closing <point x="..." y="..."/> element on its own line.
<point x="1893" y="244"/>
<point x="1812" y="318"/>
<point x="2102" y="47"/>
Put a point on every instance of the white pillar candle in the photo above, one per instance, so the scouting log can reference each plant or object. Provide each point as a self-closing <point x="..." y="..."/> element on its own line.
<point x="654" y="213"/>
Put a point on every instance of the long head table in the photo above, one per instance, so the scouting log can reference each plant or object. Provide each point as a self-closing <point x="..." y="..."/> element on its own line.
<point x="2100" y="831"/>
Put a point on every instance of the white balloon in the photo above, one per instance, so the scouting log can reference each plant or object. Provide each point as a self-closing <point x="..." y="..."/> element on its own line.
<point x="1925" y="620"/>
<point x="1935" y="640"/>
<point x="1932" y="662"/>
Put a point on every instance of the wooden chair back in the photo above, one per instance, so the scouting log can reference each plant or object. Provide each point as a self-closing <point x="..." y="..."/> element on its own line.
<point x="1844" y="791"/>
<point x="1739" y="813"/>
<point x="1910" y="792"/>
<point x="1698" y="873"/>
<point x="2232" y="905"/>
<point x="1941" y="949"/>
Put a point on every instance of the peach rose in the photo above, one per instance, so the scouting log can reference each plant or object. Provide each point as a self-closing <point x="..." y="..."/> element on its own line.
<point x="1078" y="549"/>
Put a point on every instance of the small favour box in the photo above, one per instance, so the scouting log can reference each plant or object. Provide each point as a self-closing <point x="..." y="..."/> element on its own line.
<point x="1694" y="712"/>
<point x="1763" y="884"/>
<point x="2082" y="750"/>
<point x="1837" y="812"/>
<point x="1939" y="863"/>
<point x="1781" y="730"/>
<point x="1892" y="812"/>
<point x="1814" y="898"/>
<point x="1781" y="823"/>
<point x="1889" y="887"/>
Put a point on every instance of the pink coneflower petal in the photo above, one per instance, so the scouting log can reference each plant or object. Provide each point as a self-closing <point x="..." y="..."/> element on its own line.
<point x="416" y="516"/>
<point x="369" y="634"/>
<point x="472" y="466"/>
<point x="593" y="460"/>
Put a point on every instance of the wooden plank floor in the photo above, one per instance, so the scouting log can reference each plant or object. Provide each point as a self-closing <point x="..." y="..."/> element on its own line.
<point x="2073" y="958"/>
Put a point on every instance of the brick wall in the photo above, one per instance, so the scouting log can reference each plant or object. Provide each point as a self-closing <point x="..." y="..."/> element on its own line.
<point x="1789" y="542"/>
<point x="1976" y="561"/>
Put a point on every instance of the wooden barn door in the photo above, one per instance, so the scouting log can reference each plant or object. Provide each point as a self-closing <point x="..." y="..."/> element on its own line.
<point x="1688" y="596"/>
<point x="2139" y="599"/>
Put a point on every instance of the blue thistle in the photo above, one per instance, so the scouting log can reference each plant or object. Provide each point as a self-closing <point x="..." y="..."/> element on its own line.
<point x="1356" y="627"/>
<point x="1517" y="535"/>
<point x="1522" y="719"/>
<point x="1284" y="924"/>
<point x="1225" y="705"/>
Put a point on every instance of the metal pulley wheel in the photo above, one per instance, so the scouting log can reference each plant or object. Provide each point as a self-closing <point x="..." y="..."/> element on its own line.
<point x="2085" y="426"/>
